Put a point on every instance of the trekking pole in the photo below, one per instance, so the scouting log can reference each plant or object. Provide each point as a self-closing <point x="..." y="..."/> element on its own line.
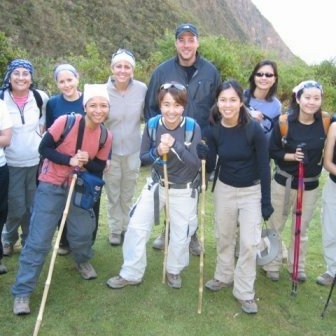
<point x="165" y="177"/>
<point x="53" y="258"/>
<point x="329" y="296"/>
<point x="297" y="233"/>
<point x="200" y="289"/>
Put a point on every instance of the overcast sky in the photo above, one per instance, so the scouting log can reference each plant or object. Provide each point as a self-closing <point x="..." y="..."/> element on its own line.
<point x="307" y="27"/>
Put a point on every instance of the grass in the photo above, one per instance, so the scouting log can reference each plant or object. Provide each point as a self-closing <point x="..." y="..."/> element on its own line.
<point x="77" y="307"/>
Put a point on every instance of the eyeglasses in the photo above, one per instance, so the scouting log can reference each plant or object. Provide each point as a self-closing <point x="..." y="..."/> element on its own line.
<point x="177" y="86"/>
<point x="266" y="74"/>
<point x="123" y="51"/>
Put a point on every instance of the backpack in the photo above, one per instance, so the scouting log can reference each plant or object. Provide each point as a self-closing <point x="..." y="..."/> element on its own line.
<point x="283" y="124"/>
<point x="189" y="129"/>
<point x="70" y="121"/>
<point x="37" y="96"/>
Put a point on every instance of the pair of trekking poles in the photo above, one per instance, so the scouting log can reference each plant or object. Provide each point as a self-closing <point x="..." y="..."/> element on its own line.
<point x="297" y="235"/>
<point x="201" y="227"/>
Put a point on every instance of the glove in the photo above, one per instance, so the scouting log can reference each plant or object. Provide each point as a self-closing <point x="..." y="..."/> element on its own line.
<point x="266" y="210"/>
<point x="202" y="150"/>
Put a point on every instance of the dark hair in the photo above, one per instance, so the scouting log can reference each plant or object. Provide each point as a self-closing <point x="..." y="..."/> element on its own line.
<point x="180" y="96"/>
<point x="273" y="90"/>
<point x="215" y="115"/>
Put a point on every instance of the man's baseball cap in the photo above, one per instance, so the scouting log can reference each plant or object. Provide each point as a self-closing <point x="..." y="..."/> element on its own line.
<point x="186" y="27"/>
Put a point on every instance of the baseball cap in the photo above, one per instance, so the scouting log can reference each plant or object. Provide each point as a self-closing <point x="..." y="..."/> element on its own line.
<point x="186" y="27"/>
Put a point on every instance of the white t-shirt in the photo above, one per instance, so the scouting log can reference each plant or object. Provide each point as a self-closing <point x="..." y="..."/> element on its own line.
<point x="5" y="122"/>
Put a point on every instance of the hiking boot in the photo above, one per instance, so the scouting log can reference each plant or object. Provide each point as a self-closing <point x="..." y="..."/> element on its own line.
<point x="273" y="275"/>
<point x="8" y="249"/>
<point x="302" y="277"/>
<point x="195" y="246"/>
<point x="249" y="306"/>
<point x="3" y="268"/>
<point x="115" y="239"/>
<point x="118" y="282"/>
<point x="174" y="280"/>
<point x="216" y="285"/>
<point x="21" y="305"/>
<point x="325" y="279"/>
<point x="63" y="250"/>
<point x="159" y="242"/>
<point x="86" y="271"/>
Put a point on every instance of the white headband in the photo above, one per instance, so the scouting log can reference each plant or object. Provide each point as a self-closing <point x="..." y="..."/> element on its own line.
<point x="62" y="67"/>
<point x="123" y="56"/>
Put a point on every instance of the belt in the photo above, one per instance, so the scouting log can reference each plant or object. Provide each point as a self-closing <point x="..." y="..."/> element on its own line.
<point x="176" y="185"/>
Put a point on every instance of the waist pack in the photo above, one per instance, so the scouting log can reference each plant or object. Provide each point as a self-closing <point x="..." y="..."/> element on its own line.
<point x="87" y="191"/>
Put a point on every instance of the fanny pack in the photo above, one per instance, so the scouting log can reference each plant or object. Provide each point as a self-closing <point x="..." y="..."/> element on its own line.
<point x="87" y="190"/>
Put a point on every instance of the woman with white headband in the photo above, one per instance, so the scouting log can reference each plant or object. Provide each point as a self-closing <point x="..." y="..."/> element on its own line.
<point x="304" y="142"/>
<point x="127" y="97"/>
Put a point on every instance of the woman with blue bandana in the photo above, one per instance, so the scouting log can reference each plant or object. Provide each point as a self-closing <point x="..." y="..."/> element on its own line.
<point x="22" y="154"/>
<point x="304" y="142"/>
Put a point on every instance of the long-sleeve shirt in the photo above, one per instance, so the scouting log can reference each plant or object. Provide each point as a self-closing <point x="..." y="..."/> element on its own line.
<point x="242" y="154"/>
<point x="183" y="165"/>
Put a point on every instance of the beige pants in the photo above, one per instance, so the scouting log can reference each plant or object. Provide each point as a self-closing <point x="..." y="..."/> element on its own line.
<point x="278" y="221"/>
<point x="232" y="206"/>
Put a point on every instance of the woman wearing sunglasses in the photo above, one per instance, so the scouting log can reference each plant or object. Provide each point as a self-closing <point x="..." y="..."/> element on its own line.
<point x="183" y="167"/>
<point x="260" y="98"/>
<point x="127" y="96"/>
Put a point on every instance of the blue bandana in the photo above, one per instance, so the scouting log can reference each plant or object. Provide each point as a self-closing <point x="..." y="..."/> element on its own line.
<point x="17" y="63"/>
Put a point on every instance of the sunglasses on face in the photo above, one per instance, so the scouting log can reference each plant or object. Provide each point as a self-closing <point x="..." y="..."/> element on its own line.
<point x="177" y="86"/>
<point x="123" y="51"/>
<point x="264" y="74"/>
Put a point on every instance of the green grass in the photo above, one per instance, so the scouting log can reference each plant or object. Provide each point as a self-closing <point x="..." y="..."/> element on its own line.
<point x="78" y="307"/>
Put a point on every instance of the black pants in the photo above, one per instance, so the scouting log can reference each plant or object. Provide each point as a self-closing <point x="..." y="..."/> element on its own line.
<point x="4" y="182"/>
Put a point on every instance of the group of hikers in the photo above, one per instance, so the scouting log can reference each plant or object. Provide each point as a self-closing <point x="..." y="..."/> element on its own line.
<point x="190" y="116"/>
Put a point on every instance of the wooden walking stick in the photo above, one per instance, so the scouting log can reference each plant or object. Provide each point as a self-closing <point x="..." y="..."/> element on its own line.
<point x="200" y="289"/>
<point x="53" y="258"/>
<point x="165" y="177"/>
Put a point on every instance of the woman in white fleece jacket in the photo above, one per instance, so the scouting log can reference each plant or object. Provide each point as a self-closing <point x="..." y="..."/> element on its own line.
<point x="22" y="154"/>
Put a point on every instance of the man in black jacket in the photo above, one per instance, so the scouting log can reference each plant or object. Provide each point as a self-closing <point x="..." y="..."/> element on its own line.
<point x="199" y="76"/>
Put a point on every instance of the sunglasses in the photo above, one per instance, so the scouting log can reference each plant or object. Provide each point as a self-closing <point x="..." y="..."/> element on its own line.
<point x="177" y="86"/>
<point x="266" y="74"/>
<point x="123" y="51"/>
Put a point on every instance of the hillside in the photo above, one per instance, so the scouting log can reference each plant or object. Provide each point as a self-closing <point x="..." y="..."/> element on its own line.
<point x="59" y="27"/>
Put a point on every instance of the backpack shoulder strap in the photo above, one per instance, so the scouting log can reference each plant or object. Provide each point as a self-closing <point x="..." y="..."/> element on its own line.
<point x="2" y="93"/>
<point x="39" y="100"/>
<point x="70" y="121"/>
<point x="189" y="130"/>
<point x="152" y="126"/>
<point x="250" y="130"/>
<point x="326" y="119"/>
<point x="283" y="124"/>
<point x="103" y="136"/>
<point x="247" y="97"/>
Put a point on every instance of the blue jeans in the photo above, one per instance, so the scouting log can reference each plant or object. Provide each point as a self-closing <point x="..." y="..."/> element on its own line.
<point x="49" y="204"/>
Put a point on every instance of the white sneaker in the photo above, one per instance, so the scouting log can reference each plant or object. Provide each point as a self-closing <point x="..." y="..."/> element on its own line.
<point x="86" y="271"/>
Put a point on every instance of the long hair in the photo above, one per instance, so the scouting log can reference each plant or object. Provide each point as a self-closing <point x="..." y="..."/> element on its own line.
<point x="215" y="116"/>
<point x="273" y="90"/>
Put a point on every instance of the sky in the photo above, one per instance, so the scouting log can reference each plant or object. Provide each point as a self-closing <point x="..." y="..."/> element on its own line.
<point x="306" y="27"/>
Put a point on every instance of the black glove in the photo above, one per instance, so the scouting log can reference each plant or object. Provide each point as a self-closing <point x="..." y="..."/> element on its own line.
<point x="202" y="150"/>
<point x="266" y="210"/>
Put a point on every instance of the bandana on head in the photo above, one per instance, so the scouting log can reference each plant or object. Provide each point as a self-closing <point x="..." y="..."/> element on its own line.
<point x="307" y="84"/>
<point x="63" y="67"/>
<point x="17" y="63"/>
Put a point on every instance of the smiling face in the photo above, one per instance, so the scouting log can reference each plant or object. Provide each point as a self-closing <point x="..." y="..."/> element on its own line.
<point x="186" y="46"/>
<point x="97" y="109"/>
<point x="67" y="83"/>
<point x="264" y="78"/>
<point x="310" y="101"/>
<point x="20" y="80"/>
<point x="171" y="111"/>
<point x="122" y="71"/>
<point x="229" y="105"/>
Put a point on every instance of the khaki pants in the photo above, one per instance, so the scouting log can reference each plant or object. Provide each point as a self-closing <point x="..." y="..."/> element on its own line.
<point x="278" y="221"/>
<point x="232" y="206"/>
